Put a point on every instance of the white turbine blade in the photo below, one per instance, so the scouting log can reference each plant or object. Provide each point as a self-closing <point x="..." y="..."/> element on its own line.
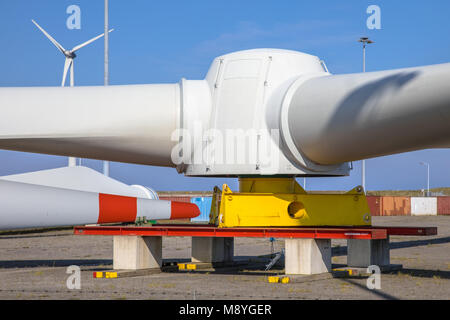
<point x="89" y="41"/>
<point x="72" y="76"/>
<point x="67" y="64"/>
<point x="57" y="45"/>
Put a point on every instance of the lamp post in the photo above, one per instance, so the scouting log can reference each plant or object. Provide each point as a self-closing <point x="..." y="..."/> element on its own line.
<point x="106" y="75"/>
<point x="428" y="176"/>
<point x="365" y="41"/>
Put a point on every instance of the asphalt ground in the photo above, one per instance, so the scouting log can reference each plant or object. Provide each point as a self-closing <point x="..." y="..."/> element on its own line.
<point x="34" y="265"/>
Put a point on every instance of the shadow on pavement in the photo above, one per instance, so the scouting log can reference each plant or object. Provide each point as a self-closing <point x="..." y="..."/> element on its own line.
<point x="422" y="273"/>
<point x="53" y="263"/>
<point x="342" y="251"/>
<point x="378" y="293"/>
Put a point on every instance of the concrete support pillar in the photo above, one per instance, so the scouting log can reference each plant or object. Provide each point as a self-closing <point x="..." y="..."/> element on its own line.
<point x="135" y="252"/>
<point x="363" y="253"/>
<point x="307" y="256"/>
<point x="212" y="249"/>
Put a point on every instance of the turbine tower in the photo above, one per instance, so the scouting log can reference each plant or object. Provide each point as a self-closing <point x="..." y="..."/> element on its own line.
<point x="69" y="62"/>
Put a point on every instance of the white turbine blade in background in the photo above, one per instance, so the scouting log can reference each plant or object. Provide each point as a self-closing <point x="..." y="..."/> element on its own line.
<point x="89" y="41"/>
<point x="72" y="76"/>
<point x="57" y="45"/>
<point x="67" y="64"/>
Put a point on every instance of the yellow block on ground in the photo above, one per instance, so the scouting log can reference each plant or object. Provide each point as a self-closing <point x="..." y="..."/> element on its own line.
<point x="285" y="280"/>
<point x="110" y="275"/>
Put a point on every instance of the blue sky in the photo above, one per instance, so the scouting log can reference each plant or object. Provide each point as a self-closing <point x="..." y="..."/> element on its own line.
<point x="161" y="41"/>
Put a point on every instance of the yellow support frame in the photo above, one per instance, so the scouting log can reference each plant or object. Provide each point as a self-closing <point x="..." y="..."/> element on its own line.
<point x="282" y="202"/>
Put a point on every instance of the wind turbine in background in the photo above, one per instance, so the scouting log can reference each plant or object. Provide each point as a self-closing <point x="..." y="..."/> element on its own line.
<point x="70" y="56"/>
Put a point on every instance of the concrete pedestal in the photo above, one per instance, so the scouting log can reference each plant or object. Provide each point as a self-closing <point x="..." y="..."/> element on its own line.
<point x="307" y="256"/>
<point x="212" y="249"/>
<point x="364" y="253"/>
<point x="135" y="252"/>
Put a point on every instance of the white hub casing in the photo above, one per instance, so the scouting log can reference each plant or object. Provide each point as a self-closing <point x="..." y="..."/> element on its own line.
<point x="233" y="120"/>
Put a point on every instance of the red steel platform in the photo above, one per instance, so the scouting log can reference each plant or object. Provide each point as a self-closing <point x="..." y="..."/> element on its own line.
<point x="189" y="230"/>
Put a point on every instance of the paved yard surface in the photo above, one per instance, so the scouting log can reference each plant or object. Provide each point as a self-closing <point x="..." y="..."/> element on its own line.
<point x="33" y="266"/>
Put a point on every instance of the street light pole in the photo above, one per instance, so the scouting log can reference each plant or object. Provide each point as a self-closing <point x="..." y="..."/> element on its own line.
<point x="106" y="75"/>
<point x="364" y="41"/>
<point x="428" y="176"/>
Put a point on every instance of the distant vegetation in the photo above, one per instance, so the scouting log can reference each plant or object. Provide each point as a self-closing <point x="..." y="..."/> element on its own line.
<point x="185" y="193"/>
<point x="399" y="193"/>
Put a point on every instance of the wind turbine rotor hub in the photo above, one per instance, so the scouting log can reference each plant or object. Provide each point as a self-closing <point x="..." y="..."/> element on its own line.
<point x="70" y="54"/>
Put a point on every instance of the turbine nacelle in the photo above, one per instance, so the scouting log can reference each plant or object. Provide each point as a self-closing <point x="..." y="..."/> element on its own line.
<point x="70" y="54"/>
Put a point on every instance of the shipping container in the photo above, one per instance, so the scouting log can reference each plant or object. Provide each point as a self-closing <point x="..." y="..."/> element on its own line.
<point x="176" y="198"/>
<point x="395" y="206"/>
<point x="421" y="206"/>
<point x="374" y="203"/>
<point x="204" y="204"/>
<point x="443" y="204"/>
